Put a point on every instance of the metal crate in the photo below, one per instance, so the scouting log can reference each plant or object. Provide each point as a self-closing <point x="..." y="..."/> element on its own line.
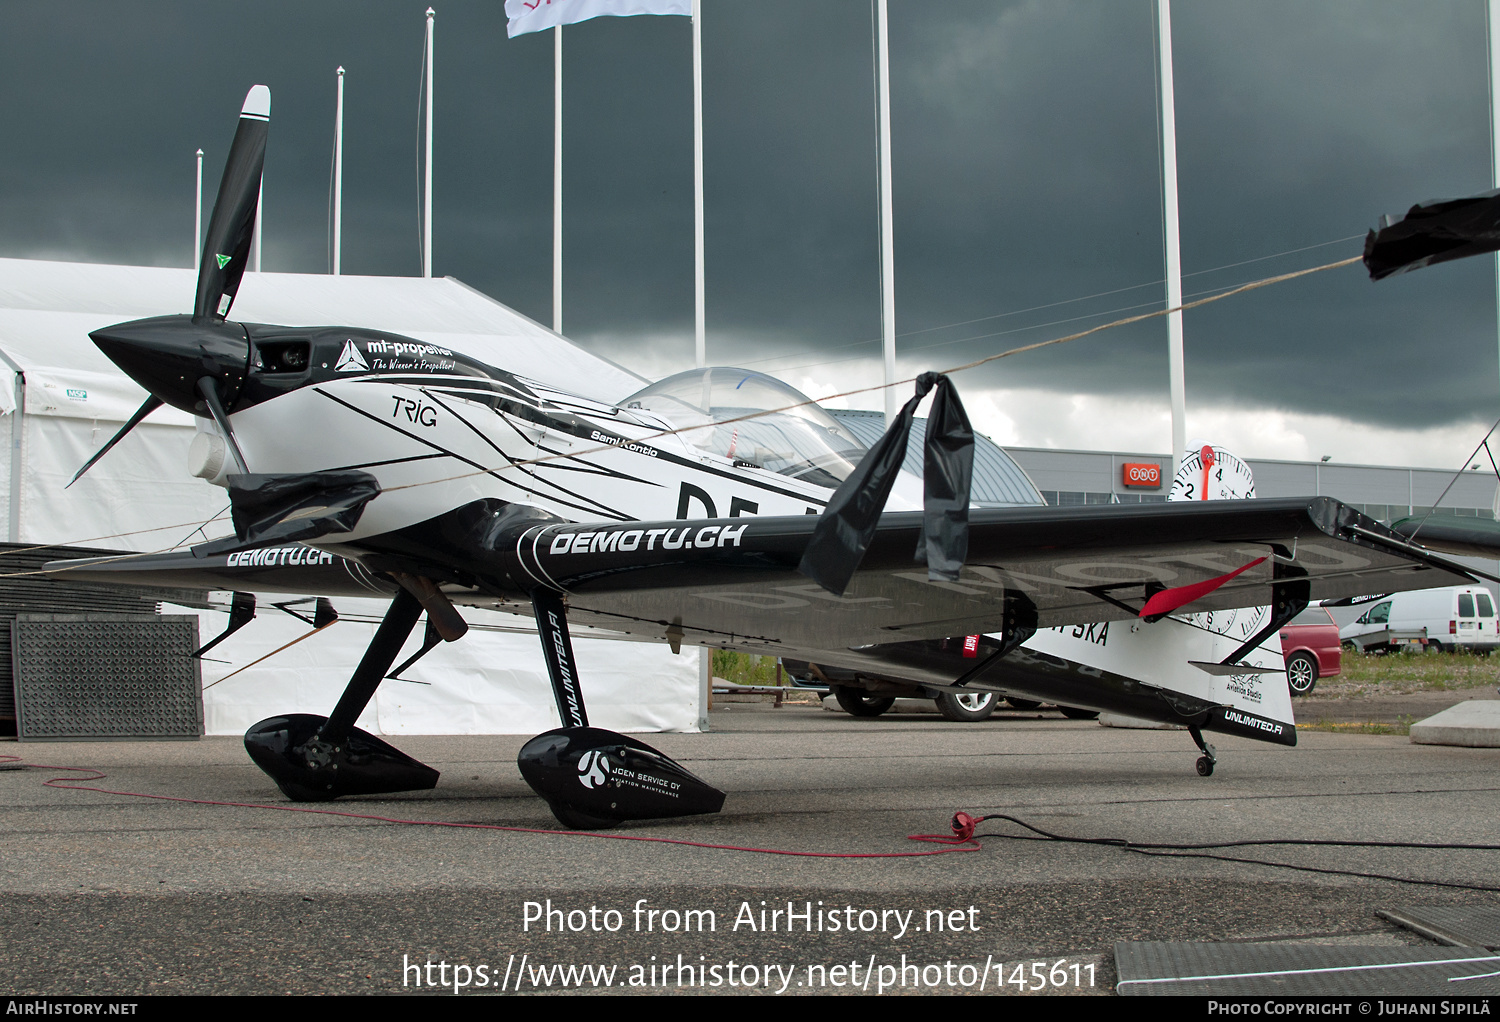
<point x="106" y="677"/>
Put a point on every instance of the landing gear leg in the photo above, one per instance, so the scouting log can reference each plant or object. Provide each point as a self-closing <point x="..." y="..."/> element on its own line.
<point x="593" y="779"/>
<point x="1208" y="759"/>
<point x="557" y="648"/>
<point x="314" y="759"/>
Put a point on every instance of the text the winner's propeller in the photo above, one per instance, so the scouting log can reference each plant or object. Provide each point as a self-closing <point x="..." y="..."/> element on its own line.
<point x="197" y="363"/>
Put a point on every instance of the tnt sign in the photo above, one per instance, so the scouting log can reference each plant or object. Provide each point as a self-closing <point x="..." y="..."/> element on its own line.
<point x="1144" y="474"/>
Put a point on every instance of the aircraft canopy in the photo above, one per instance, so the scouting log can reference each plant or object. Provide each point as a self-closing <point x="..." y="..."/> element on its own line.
<point x="803" y="442"/>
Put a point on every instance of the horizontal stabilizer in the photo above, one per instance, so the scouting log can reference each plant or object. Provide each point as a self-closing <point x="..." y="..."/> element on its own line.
<point x="1228" y="670"/>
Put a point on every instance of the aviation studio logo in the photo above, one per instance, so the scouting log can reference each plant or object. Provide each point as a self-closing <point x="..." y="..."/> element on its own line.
<point x="593" y="769"/>
<point x="351" y="361"/>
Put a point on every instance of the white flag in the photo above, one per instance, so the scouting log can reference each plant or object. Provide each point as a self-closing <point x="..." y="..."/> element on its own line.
<point x="536" y="15"/>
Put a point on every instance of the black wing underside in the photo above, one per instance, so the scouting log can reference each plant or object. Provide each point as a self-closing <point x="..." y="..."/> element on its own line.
<point x="290" y="569"/>
<point x="1073" y="565"/>
<point x="733" y="582"/>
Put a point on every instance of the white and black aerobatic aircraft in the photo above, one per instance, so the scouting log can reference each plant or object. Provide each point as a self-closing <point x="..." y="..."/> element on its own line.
<point x="701" y="510"/>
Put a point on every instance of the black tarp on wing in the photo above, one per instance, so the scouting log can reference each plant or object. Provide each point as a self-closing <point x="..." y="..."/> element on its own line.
<point x="1434" y="232"/>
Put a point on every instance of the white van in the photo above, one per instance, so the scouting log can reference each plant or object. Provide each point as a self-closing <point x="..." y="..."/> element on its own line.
<point x="1457" y="617"/>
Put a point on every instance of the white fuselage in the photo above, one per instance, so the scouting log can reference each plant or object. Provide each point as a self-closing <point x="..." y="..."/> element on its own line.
<point x="436" y="443"/>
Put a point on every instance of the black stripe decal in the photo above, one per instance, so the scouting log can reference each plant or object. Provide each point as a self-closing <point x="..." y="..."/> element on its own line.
<point x="390" y="461"/>
<point x="456" y="457"/>
<point x="581" y="431"/>
<point x="605" y="508"/>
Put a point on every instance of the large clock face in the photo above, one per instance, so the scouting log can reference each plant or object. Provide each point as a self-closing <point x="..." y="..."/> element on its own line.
<point x="1238" y="623"/>
<point x="1212" y="473"/>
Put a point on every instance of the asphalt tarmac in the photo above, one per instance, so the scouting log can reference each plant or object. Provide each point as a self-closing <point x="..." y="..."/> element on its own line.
<point x="111" y="894"/>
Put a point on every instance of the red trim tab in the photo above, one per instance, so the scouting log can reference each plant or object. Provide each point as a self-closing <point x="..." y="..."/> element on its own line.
<point x="1169" y="600"/>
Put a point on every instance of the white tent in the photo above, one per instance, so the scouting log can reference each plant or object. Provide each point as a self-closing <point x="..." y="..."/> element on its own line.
<point x="61" y="399"/>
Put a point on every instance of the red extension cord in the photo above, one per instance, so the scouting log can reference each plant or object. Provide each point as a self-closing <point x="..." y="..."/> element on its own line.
<point x="961" y="840"/>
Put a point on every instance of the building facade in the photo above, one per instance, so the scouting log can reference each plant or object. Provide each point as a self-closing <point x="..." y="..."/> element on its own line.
<point x="1383" y="493"/>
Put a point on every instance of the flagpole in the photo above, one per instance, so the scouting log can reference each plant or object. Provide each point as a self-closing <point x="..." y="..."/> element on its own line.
<point x="1492" y="13"/>
<point x="427" y="185"/>
<point x="1171" y="232"/>
<point x="700" y="322"/>
<point x="557" y="179"/>
<point x="198" y="216"/>
<point x="887" y="241"/>
<point x="700" y="331"/>
<point x="338" y="179"/>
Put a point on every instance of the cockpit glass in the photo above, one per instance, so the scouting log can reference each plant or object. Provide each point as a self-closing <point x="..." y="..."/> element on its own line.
<point x="804" y="442"/>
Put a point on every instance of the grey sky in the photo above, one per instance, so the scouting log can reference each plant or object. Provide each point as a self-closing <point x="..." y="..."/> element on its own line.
<point x="1026" y="174"/>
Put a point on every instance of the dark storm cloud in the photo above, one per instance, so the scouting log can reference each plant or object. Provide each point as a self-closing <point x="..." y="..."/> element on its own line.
<point x="1297" y="124"/>
<point x="1316" y="118"/>
<point x="1026" y="175"/>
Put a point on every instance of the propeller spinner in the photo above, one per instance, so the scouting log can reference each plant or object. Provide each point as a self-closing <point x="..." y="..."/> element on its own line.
<point x="197" y="363"/>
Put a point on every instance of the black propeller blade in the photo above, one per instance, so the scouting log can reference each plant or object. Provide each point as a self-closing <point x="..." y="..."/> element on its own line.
<point x="167" y="354"/>
<point x="226" y="248"/>
<point x="148" y="406"/>
<point x="210" y="391"/>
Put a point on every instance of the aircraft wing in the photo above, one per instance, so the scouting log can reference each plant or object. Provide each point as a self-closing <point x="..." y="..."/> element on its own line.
<point x="734" y="581"/>
<point x="737" y="577"/>
<point x="282" y="568"/>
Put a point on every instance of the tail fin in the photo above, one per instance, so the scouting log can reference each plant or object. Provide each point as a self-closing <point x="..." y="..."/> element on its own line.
<point x="1258" y="703"/>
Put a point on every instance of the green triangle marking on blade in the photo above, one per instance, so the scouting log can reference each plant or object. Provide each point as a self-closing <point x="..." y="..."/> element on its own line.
<point x="223" y="260"/>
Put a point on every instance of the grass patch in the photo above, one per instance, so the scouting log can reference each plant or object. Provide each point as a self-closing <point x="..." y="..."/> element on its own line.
<point x="1402" y="726"/>
<point x="749" y="669"/>
<point x="746" y="668"/>
<point x="1370" y="674"/>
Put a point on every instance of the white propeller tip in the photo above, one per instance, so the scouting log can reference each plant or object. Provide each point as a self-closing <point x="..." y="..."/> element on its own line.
<point x="257" y="103"/>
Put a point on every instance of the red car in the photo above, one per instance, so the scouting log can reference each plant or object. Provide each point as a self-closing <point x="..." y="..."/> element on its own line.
<point x="1310" y="645"/>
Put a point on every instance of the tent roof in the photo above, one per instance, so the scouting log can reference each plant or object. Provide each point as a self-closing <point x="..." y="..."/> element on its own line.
<point x="998" y="480"/>
<point x="47" y="309"/>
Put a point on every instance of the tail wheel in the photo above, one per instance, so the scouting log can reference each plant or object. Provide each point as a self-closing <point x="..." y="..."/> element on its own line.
<point x="967" y="706"/>
<point x="859" y="703"/>
<point x="1301" y="673"/>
